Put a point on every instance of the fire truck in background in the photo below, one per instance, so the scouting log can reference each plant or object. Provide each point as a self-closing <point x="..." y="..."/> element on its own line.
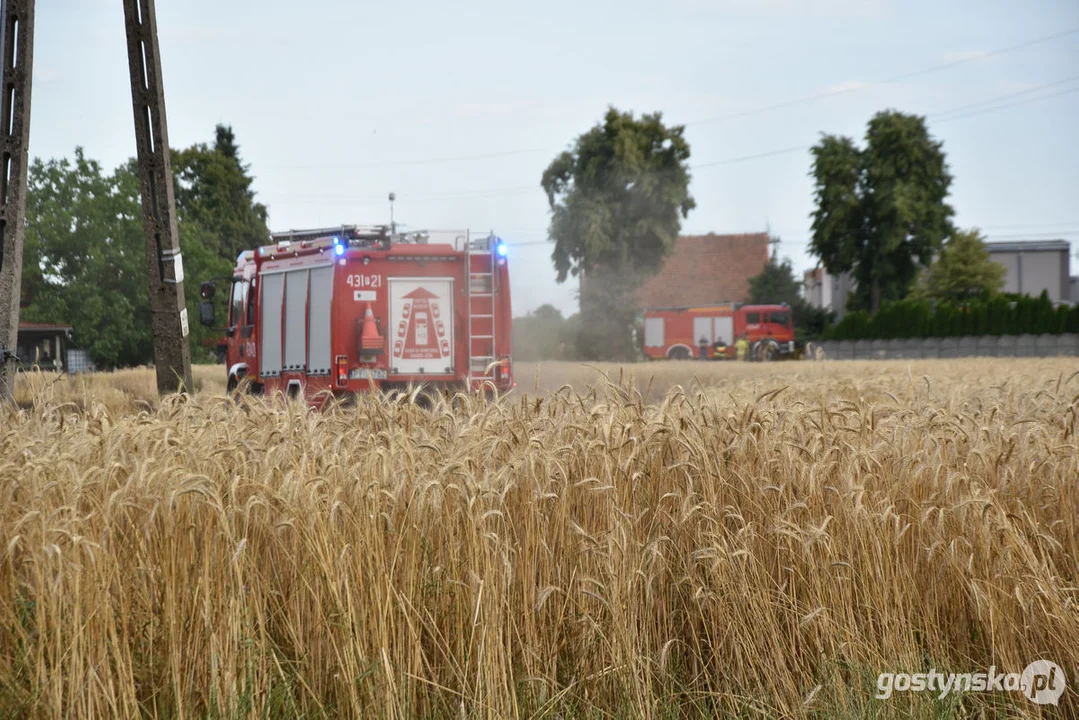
<point x="676" y="333"/>
<point x="334" y="311"/>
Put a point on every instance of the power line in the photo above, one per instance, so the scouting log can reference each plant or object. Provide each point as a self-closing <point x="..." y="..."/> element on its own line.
<point x="886" y="81"/>
<point x="1044" y="235"/>
<point x="1016" y="93"/>
<point x="960" y="112"/>
<point x="530" y="242"/>
<point x="428" y="161"/>
<point x="1032" y="227"/>
<point x="954" y="112"/>
<point x="1004" y="106"/>
<point x="744" y="113"/>
<point x="1073" y="229"/>
<point x="433" y="196"/>
<point x="744" y="158"/>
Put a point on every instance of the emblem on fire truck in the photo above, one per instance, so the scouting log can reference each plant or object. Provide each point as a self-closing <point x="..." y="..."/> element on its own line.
<point x="421" y="335"/>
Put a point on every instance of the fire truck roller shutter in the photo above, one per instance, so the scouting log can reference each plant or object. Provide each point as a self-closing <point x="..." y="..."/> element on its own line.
<point x="653" y="332"/>
<point x="295" y="310"/>
<point x="725" y="330"/>
<point x="702" y="328"/>
<point x="319" y="360"/>
<point x="273" y="291"/>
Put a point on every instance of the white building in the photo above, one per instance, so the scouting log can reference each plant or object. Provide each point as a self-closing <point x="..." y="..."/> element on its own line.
<point x="820" y="289"/>
<point x="1034" y="266"/>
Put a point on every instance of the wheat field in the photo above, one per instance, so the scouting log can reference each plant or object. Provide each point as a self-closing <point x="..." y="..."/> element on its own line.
<point x="656" y="541"/>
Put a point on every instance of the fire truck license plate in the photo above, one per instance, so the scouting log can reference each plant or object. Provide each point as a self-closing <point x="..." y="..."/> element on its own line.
<point x="365" y="373"/>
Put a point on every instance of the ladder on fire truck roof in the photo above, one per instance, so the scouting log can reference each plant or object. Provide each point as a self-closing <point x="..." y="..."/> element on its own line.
<point x="481" y="289"/>
<point x="345" y="232"/>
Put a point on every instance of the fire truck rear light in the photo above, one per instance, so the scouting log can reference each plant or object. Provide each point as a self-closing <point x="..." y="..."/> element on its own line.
<point x="342" y="370"/>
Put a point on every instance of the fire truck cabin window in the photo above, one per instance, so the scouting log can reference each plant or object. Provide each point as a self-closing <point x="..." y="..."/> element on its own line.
<point x="780" y="318"/>
<point x="753" y="318"/>
<point x="250" y="321"/>
<point x="236" y="311"/>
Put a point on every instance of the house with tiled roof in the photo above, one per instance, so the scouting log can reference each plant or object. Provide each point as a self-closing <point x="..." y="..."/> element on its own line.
<point x="703" y="269"/>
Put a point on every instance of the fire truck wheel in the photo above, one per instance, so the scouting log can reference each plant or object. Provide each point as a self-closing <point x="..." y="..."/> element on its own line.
<point x="240" y="384"/>
<point x="678" y="353"/>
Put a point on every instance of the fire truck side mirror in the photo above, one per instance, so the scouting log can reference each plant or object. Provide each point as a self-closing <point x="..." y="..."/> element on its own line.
<point x="206" y="313"/>
<point x="207" y="290"/>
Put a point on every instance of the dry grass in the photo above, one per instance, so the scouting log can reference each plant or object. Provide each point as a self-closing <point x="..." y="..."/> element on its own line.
<point x="122" y="391"/>
<point x="762" y="543"/>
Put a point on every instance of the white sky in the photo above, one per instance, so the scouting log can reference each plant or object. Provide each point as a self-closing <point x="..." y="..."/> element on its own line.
<point x="458" y="107"/>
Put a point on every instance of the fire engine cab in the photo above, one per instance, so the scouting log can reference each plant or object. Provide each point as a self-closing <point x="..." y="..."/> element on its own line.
<point x="340" y="310"/>
<point x="677" y="333"/>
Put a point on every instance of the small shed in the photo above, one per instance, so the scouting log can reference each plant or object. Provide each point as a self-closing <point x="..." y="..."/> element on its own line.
<point x="44" y="345"/>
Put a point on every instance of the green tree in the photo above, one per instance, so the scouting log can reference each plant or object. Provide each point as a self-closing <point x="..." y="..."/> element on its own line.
<point x="617" y="199"/>
<point x="1044" y="315"/>
<point x="776" y="283"/>
<point x="85" y="256"/>
<point x="219" y="219"/>
<point x="998" y="312"/>
<point x="853" y="326"/>
<point x="1060" y="324"/>
<point x="213" y="191"/>
<point x="981" y="316"/>
<point x="880" y="211"/>
<point x="963" y="271"/>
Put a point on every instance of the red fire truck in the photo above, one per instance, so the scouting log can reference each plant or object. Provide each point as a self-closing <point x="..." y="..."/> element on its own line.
<point x="340" y="310"/>
<point x="677" y="333"/>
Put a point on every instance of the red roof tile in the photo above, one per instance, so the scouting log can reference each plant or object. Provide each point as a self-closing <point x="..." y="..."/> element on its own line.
<point x="705" y="269"/>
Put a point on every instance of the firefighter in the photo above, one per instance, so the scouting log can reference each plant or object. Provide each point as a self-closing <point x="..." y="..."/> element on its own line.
<point x="703" y="343"/>
<point x="767" y="348"/>
<point x="741" y="347"/>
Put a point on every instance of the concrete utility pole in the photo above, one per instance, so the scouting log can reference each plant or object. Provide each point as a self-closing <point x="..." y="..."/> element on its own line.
<point x="172" y="354"/>
<point x="17" y="57"/>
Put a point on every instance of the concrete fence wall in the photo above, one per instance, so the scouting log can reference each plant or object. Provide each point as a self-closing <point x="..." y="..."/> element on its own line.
<point x="982" y="346"/>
